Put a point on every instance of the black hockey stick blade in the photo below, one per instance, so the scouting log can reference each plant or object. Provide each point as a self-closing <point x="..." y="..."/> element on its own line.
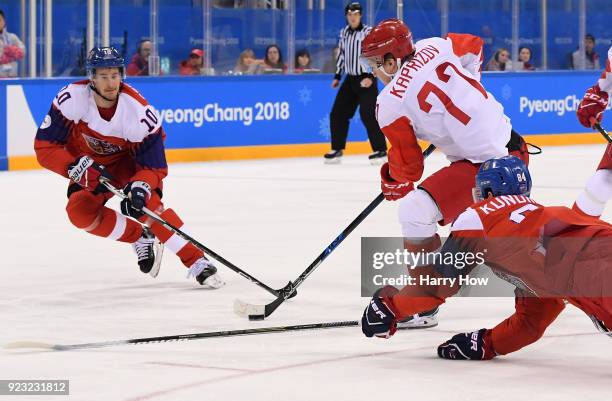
<point x="180" y="337"/>
<point x="260" y="312"/>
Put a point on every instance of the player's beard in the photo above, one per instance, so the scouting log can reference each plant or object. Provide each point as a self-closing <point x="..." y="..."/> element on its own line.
<point x="112" y="95"/>
<point x="109" y="96"/>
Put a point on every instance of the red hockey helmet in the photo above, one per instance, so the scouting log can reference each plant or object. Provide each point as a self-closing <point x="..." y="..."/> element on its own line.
<point x="389" y="36"/>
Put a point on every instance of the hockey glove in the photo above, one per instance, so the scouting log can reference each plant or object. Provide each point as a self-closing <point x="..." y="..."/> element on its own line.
<point x="378" y="318"/>
<point x="138" y="194"/>
<point x="475" y="345"/>
<point x="592" y="105"/>
<point x="391" y="189"/>
<point x="86" y="172"/>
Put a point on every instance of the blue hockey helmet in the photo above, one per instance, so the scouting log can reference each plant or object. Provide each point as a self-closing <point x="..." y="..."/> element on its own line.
<point x="104" y="57"/>
<point x="506" y="175"/>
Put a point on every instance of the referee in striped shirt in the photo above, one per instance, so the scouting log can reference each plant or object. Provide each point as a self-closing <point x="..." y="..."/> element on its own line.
<point x="358" y="89"/>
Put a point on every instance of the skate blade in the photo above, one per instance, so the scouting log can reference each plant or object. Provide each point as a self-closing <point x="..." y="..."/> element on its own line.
<point x="159" y="252"/>
<point x="420" y="324"/>
<point x="337" y="160"/>
<point x="378" y="161"/>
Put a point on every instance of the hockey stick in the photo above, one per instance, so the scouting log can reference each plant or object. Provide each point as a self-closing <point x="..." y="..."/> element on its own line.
<point x="182" y="337"/>
<point x="260" y="312"/>
<point x="105" y="181"/>
<point x="602" y="131"/>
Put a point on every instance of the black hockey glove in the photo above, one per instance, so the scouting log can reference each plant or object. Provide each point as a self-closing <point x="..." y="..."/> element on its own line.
<point x="474" y="345"/>
<point x="138" y="194"/>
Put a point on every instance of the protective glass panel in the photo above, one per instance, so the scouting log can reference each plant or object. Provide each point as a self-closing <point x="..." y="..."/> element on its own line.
<point x="13" y="39"/>
<point x="492" y="21"/>
<point x="598" y="24"/>
<point x="423" y="17"/>
<point x="69" y="38"/>
<point x="563" y="34"/>
<point x="129" y="26"/>
<point x="243" y="33"/>
<point x="530" y="56"/>
<point x="180" y="37"/>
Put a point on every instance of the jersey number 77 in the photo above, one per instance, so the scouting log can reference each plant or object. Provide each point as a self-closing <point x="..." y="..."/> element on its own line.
<point x="451" y="107"/>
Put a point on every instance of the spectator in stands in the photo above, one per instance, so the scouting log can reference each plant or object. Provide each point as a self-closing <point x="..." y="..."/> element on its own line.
<point x="273" y="61"/>
<point x="11" y="50"/>
<point x="194" y="64"/>
<point x="139" y="64"/>
<point x="247" y="63"/>
<point x="500" y="61"/>
<point x="591" y="59"/>
<point x="302" y="61"/>
<point x="524" y="60"/>
<point x="330" y="65"/>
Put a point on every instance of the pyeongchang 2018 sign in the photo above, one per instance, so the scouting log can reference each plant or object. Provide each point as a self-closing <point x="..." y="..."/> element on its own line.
<point x="201" y="112"/>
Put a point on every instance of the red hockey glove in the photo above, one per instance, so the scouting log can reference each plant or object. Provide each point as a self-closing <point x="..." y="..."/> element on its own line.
<point x="86" y="172"/>
<point x="378" y="318"/>
<point x="592" y="105"/>
<point x="393" y="190"/>
<point x="475" y="346"/>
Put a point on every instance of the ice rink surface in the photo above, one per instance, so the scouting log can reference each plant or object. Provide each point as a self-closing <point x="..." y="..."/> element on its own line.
<point x="272" y="218"/>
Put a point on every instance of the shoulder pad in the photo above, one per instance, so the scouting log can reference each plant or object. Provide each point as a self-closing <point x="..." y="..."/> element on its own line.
<point x="73" y="100"/>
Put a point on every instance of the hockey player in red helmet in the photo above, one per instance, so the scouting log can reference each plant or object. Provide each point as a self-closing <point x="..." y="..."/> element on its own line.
<point x="434" y="95"/>
<point x="386" y="46"/>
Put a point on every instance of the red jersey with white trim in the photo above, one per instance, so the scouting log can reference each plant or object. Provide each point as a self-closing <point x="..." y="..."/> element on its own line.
<point x="437" y="97"/>
<point x="129" y="131"/>
<point x="530" y="245"/>
<point x="533" y="247"/>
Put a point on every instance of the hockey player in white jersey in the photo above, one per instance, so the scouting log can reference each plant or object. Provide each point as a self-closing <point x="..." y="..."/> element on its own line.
<point x="102" y="127"/>
<point x="598" y="190"/>
<point x="435" y="96"/>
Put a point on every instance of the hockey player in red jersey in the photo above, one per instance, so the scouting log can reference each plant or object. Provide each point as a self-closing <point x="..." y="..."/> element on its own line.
<point x="598" y="190"/>
<point x="549" y="253"/>
<point x="435" y="96"/>
<point x="104" y="127"/>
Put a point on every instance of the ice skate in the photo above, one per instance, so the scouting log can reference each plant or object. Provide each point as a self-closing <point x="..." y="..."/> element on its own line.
<point x="206" y="274"/>
<point x="149" y="251"/>
<point x="378" y="158"/>
<point x="333" y="157"/>
<point x="420" y="321"/>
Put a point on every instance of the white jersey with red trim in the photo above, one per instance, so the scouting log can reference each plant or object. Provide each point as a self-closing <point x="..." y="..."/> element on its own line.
<point x="439" y="95"/>
<point x="76" y="103"/>
<point x="605" y="82"/>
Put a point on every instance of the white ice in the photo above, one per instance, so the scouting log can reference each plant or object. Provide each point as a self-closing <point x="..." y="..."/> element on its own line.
<point x="272" y="218"/>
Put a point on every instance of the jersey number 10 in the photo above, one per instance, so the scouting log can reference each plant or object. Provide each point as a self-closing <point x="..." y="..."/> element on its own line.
<point x="151" y="120"/>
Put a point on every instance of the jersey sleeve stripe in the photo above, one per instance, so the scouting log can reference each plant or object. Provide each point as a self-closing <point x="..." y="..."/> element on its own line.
<point x="55" y="128"/>
<point x="150" y="152"/>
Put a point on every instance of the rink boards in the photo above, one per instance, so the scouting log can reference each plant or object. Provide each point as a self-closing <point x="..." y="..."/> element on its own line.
<point x="228" y="118"/>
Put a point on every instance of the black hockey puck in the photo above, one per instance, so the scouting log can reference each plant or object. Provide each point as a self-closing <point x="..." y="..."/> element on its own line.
<point x="257" y="317"/>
